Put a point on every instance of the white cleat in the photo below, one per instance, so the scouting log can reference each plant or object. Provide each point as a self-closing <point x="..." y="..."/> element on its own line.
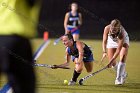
<point x="118" y="82"/>
<point x="123" y="78"/>
<point x="71" y="83"/>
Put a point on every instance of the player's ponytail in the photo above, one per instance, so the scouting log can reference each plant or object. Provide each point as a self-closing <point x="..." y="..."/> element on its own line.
<point x="69" y="35"/>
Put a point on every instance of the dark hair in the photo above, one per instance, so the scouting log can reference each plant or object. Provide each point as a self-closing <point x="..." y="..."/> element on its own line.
<point x="69" y="35"/>
<point x="69" y="7"/>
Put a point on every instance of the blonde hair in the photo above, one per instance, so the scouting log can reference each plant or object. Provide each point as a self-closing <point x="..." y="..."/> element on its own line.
<point x="115" y="23"/>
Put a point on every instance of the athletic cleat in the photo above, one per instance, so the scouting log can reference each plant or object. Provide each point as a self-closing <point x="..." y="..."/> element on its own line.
<point x="125" y="75"/>
<point x="123" y="78"/>
<point x="117" y="82"/>
<point x="71" y="83"/>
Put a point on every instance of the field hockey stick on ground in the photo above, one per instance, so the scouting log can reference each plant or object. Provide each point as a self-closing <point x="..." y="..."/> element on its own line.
<point x="50" y="66"/>
<point x="57" y="40"/>
<point x="90" y="75"/>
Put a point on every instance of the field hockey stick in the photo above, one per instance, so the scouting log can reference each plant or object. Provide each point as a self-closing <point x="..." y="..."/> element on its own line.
<point x="90" y="75"/>
<point x="57" y="40"/>
<point x="50" y="66"/>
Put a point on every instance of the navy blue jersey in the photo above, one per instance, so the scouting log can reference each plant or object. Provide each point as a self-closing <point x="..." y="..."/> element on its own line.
<point x="75" y="52"/>
<point x="73" y="20"/>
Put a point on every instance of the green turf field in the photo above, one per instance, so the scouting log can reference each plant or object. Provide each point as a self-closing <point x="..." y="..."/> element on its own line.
<point x="51" y="80"/>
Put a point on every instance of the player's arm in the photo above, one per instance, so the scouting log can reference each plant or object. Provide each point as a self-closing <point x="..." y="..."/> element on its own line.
<point x="120" y="44"/>
<point x="81" y="51"/>
<point x="65" y="23"/>
<point x="80" y="20"/>
<point x="104" y="43"/>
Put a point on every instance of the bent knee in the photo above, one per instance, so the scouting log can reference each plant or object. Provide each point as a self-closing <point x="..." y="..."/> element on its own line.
<point x="79" y="69"/>
<point x="89" y="70"/>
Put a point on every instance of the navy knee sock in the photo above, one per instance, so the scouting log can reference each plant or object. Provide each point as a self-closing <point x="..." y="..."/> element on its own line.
<point x="75" y="75"/>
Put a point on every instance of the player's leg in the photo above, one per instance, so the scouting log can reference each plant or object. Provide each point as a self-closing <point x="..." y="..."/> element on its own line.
<point x="111" y="52"/>
<point x="76" y="34"/>
<point x="121" y="73"/>
<point x="77" y="71"/>
<point x="88" y="66"/>
<point x="78" y="65"/>
<point x="76" y="37"/>
<point x="88" y="62"/>
<point x="112" y="46"/>
<point x="21" y="74"/>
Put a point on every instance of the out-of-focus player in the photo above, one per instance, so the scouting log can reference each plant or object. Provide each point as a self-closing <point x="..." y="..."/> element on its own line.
<point x="72" y="21"/>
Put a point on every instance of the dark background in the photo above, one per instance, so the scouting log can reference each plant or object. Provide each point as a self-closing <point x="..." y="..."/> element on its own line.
<point x="96" y="15"/>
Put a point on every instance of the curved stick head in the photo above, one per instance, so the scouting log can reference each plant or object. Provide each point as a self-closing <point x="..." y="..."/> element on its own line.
<point x="81" y="81"/>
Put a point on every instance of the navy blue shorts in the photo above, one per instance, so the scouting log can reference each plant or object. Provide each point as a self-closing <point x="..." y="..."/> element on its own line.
<point x="77" y="31"/>
<point x="85" y="59"/>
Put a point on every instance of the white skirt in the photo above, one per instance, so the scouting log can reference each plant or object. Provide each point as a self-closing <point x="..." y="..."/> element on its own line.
<point x="113" y="44"/>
